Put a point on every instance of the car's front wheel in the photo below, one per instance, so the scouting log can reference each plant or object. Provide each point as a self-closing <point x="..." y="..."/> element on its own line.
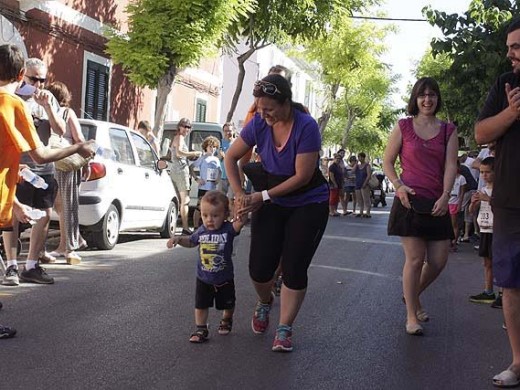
<point x="107" y="237"/>
<point x="170" y="224"/>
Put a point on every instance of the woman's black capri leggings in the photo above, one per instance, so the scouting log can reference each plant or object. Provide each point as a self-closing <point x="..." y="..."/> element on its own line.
<point x="289" y="235"/>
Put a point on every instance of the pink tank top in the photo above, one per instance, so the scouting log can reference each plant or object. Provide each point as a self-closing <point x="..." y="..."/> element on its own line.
<point x="423" y="160"/>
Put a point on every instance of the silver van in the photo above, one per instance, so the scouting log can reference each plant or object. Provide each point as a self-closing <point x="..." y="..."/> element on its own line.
<point x="199" y="131"/>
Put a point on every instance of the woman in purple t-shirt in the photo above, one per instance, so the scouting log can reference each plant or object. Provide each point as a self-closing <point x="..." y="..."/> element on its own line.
<point x="427" y="149"/>
<point x="288" y="218"/>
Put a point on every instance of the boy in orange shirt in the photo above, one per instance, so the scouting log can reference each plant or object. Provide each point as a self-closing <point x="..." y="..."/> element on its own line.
<point x="18" y="135"/>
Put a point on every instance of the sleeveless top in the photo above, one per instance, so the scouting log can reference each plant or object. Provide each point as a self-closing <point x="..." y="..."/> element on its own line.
<point x="361" y="175"/>
<point x="423" y="161"/>
<point x="182" y="162"/>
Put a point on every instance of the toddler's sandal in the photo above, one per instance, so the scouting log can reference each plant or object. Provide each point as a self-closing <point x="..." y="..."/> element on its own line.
<point x="199" y="336"/>
<point x="225" y="326"/>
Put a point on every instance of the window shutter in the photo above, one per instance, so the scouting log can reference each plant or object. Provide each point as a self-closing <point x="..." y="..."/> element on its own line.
<point x="96" y="94"/>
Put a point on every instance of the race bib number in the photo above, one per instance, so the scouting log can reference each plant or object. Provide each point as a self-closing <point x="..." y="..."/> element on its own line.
<point x="485" y="215"/>
<point x="212" y="174"/>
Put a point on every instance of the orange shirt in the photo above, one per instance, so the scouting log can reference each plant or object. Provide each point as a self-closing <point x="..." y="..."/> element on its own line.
<point x="17" y="135"/>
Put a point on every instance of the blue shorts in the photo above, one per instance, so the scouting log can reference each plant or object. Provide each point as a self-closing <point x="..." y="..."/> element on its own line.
<point x="506" y="247"/>
<point x="350" y="189"/>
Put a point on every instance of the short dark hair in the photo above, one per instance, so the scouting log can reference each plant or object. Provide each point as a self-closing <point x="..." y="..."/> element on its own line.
<point x="419" y="88"/>
<point x="284" y="89"/>
<point x="489" y="162"/>
<point x="61" y="93"/>
<point x="513" y="26"/>
<point x="12" y="62"/>
<point x="361" y="154"/>
<point x="216" y="198"/>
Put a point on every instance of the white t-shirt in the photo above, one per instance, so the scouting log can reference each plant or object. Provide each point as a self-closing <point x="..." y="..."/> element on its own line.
<point x="485" y="214"/>
<point x="455" y="191"/>
<point x="474" y="172"/>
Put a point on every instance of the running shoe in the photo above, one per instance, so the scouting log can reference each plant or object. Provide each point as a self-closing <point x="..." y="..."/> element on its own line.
<point x="283" y="339"/>
<point x="483" y="297"/>
<point x="497" y="303"/>
<point x="36" y="275"/>
<point x="6" y="332"/>
<point x="11" y="276"/>
<point x="260" y="320"/>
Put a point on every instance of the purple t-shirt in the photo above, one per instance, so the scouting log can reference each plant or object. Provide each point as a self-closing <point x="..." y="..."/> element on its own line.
<point x="305" y="138"/>
<point x="215" y="249"/>
<point x="422" y="160"/>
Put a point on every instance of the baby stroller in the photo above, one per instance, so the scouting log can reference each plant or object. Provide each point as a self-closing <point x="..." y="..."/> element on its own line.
<point x="378" y="192"/>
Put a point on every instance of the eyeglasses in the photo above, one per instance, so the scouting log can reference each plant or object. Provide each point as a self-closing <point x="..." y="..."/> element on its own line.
<point x="187" y="127"/>
<point x="266" y="87"/>
<point x="430" y="95"/>
<point x="36" y="79"/>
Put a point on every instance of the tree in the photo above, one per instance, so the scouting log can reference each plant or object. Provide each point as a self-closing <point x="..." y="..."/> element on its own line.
<point x="280" y="22"/>
<point x="357" y="82"/>
<point x="167" y="35"/>
<point x="475" y="43"/>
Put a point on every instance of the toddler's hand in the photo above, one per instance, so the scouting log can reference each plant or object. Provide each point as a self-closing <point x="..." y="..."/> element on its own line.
<point x="172" y="242"/>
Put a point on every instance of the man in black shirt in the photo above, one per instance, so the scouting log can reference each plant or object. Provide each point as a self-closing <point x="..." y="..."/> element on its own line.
<point x="499" y="120"/>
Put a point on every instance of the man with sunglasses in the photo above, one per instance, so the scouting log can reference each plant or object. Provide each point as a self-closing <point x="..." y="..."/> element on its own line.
<point x="45" y="113"/>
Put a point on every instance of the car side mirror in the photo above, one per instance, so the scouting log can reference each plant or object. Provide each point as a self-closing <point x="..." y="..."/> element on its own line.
<point x="162" y="164"/>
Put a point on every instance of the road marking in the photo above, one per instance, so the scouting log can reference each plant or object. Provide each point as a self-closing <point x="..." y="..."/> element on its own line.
<point x="363" y="240"/>
<point x="358" y="271"/>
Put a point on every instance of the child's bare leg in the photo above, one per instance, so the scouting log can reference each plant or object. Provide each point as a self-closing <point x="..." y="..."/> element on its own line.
<point x="488" y="274"/>
<point x="201" y="317"/>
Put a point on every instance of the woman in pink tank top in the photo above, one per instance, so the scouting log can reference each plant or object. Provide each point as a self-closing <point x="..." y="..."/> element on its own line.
<point x="427" y="149"/>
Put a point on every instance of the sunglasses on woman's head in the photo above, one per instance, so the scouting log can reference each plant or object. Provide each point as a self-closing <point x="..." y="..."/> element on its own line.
<point x="267" y="87"/>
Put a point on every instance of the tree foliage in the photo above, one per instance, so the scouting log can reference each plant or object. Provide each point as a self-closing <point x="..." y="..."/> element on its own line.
<point x="165" y="36"/>
<point x="281" y="22"/>
<point x="475" y="44"/>
<point x="358" y="83"/>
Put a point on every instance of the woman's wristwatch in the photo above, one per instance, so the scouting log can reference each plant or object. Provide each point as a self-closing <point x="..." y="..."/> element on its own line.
<point x="265" y="197"/>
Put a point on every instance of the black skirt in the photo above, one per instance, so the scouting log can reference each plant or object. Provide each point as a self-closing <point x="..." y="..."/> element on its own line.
<point x="407" y="223"/>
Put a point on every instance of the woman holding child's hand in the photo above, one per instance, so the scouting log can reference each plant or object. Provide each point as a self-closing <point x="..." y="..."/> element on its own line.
<point x="288" y="218"/>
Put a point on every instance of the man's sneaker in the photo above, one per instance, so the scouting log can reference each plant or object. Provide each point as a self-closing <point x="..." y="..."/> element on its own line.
<point x="6" y="332"/>
<point x="260" y="320"/>
<point x="282" y="340"/>
<point x="482" y="298"/>
<point x="497" y="303"/>
<point x="36" y="275"/>
<point x="11" y="276"/>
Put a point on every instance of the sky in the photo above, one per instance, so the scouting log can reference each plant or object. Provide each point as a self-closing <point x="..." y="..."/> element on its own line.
<point x="408" y="45"/>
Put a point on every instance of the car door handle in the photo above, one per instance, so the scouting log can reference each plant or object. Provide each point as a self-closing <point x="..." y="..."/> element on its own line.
<point x="119" y="171"/>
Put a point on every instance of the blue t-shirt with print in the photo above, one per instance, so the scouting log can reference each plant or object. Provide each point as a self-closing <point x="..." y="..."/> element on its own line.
<point x="209" y="171"/>
<point x="215" y="250"/>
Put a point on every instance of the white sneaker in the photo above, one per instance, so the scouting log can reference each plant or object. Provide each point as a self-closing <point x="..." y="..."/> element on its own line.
<point x="11" y="276"/>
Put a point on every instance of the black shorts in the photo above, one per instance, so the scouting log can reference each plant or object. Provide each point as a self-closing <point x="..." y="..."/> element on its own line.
<point x="286" y="235"/>
<point x="38" y="198"/>
<point x="223" y="295"/>
<point x="485" y="248"/>
<point x="405" y="222"/>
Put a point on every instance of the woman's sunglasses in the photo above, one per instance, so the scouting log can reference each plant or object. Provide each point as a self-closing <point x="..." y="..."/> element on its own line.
<point x="267" y="87"/>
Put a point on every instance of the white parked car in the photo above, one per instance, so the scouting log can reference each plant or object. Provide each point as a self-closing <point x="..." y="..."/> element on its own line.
<point x="128" y="188"/>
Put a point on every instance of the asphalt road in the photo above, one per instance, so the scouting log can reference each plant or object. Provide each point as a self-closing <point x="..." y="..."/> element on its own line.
<point x="122" y="319"/>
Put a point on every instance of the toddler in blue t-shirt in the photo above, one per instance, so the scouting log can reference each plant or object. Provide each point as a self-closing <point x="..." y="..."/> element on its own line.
<point x="215" y="267"/>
